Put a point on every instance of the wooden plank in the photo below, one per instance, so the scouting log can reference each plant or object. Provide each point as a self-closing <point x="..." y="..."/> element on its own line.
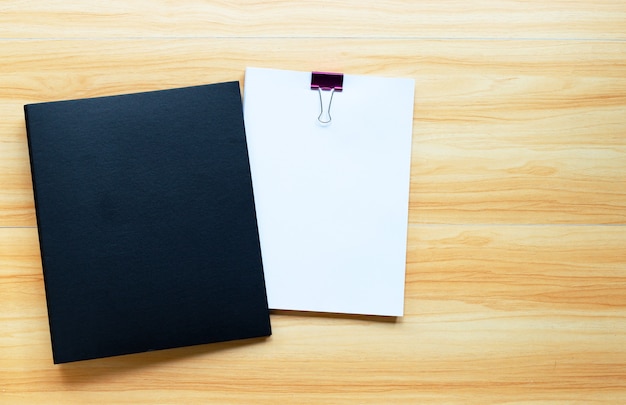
<point x="493" y="314"/>
<point x="564" y="19"/>
<point x="534" y="267"/>
<point x="522" y="132"/>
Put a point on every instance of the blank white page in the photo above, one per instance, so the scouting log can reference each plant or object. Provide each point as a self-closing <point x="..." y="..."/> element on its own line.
<point x="331" y="200"/>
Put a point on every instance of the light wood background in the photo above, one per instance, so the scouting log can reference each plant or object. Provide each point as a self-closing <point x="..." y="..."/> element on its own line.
<point x="516" y="266"/>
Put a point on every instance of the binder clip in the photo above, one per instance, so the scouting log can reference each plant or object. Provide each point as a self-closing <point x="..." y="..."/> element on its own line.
<point x="327" y="83"/>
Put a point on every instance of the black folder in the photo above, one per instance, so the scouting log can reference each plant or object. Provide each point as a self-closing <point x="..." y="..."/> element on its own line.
<point x="146" y="220"/>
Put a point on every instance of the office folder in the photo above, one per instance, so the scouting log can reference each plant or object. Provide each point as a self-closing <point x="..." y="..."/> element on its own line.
<point x="146" y="219"/>
<point x="330" y="156"/>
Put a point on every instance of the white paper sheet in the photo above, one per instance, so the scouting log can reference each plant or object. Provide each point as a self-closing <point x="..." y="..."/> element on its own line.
<point x="331" y="201"/>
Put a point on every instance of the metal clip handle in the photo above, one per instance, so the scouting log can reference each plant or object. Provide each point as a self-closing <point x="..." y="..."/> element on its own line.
<point x="324" y="116"/>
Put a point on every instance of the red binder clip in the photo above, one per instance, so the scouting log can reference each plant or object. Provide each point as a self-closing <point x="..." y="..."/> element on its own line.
<point x="329" y="83"/>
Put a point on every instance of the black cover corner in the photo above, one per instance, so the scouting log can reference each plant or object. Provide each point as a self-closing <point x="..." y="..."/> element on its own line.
<point x="146" y="220"/>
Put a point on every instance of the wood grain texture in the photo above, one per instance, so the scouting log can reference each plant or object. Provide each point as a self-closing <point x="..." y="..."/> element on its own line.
<point x="565" y="19"/>
<point x="516" y="264"/>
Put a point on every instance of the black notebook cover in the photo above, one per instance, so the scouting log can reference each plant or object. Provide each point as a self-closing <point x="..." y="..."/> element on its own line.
<point x="146" y="219"/>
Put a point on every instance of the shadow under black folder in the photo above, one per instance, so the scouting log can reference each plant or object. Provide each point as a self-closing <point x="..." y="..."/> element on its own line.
<point x="146" y="219"/>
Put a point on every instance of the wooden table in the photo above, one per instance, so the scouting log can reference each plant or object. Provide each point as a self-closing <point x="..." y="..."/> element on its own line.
<point x="516" y="266"/>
